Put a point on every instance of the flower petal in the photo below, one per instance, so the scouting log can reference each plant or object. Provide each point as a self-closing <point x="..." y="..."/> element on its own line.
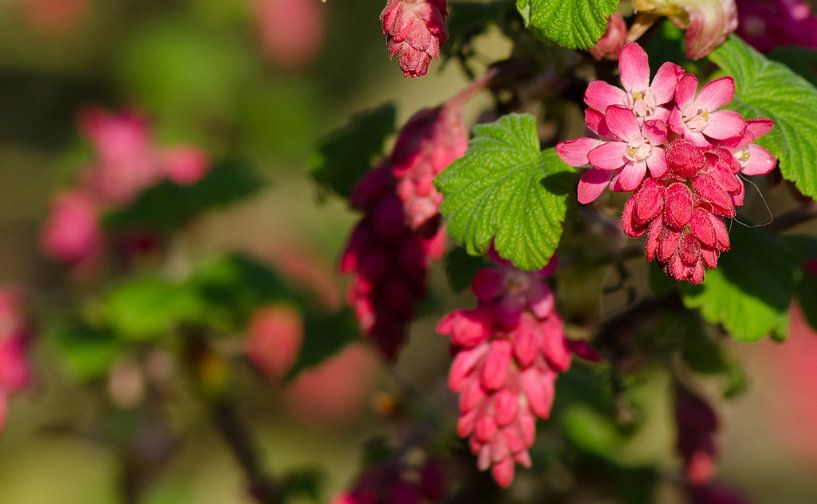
<point x="665" y="81"/>
<point x="574" y="152"/>
<point x="634" y="66"/>
<point x="724" y="124"/>
<point x="657" y="162"/>
<point x="632" y="175"/>
<point x="760" y="161"/>
<point x="600" y="95"/>
<point x="759" y="127"/>
<point x="623" y="123"/>
<point x="685" y="91"/>
<point x="608" y="156"/>
<point x="655" y="132"/>
<point x="592" y="184"/>
<point x="716" y="94"/>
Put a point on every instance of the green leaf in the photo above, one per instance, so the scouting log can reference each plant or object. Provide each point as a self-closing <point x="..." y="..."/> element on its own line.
<point x="166" y="206"/>
<point x="87" y="353"/>
<point x="506" y="191"/>
<point x="770" y="89"/>
<point x="461" y="268"/>
<point x="345" y="155"/>
<point x="576" y="24"/>
<point x="799" y="59"/>
<point x="750" y="291"/>
<point x="149" y="308"/>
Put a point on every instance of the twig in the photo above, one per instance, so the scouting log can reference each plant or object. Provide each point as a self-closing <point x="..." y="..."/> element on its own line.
<point x="793" y="218"/>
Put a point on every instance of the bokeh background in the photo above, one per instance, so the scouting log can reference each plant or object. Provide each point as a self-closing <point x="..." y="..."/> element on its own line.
<point x="266" y="79"/>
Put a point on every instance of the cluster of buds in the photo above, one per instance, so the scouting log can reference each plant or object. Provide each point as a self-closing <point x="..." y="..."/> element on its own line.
<point x="126" y="163"/>
<point x="767" y="24"/>
<point x="390" y="249"/>
<point x="509" y="350"/>
<point x="415" y="31"/>
<point x="697" y="425"/>
<point x="399" y="480"/>
<point x="677" y="151"/>
<point x="14" y="338"/>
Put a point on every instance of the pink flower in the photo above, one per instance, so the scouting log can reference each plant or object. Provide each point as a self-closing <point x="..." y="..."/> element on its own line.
<point x="399" y="480"/>
<point x="72" y="232"/>
<point x="274" y="338"/>
<point x="415" y="31"/>
<point x="509" y="351"/>
<point x="53" y="16"/>
<point x="291" y="31"/>
<point x="767" y="24"/>
<point x="644" y="98"/>
<point x="708" y="22"/>
<point x="639" y="147"/>
<point x="753" y="159"/>
<point x="612" y="42"/>
<point x="430" y="141"/>
<point x="15" y="371"/>
<point x="184" y="164"/>
<point x="697" y="118"/>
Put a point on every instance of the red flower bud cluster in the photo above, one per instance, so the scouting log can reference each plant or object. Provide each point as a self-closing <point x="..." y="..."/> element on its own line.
<point x="682" y="212"/>
<point x="509" y="351"/>
<point x="415" y="31"/>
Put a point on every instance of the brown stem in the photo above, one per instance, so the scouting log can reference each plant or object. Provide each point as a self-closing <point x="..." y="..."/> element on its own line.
<point x="793" y="218"/>
<point x="202" y="361"/>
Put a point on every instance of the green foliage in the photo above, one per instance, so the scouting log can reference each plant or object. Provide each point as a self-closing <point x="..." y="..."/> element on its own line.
<point x="750" y="291"/>
<point x="806" y="290"/>
<point x="166" y="206"/>
<point x="576" y="24"/>
<point x="86" y="352"/>
<point x="346" y="154"/>
<point x="506" y="191"/>
<point x="799" y="59"/>
<point x="770" y="89"/>
<point x="460" y="267"/>
<point x="150" y="308"/>
<point x="467" y="20"/>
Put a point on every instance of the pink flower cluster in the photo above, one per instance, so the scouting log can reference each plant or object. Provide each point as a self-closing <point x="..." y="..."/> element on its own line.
<point x="390" y="249"/>
<point x="15" y="373"/>
<point x="697" y="424"/>
<point x="126" y="163"/>
<point x="767" y="24"/>
<point x="681" y="155"/>
<point x="415" y="31"/>
<point x="291" y="31"/>
<point x="398" y="482"/>
<point x="509" y="350"/>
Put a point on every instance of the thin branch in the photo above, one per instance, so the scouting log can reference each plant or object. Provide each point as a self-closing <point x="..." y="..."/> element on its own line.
<point x="793" y="218"/>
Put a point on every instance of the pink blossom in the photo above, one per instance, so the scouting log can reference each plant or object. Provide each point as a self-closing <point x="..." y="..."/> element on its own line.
<point x="509" y="350"/>
<point x="707" y="22"/>
<point x="644" y="98"/>
<point x="274" y="338"/>
<point x="767" y="24"/>
<point x="427" y="144"/>
<point x="415" y="31"/>
<point x="291" y="31"/>
<point x="15" y="372"/>
<point x="612" y="42"/>
<point x="72" y="232"/>
<point x="184" y="164"/>
<point x="753" y="159"/>
<point x="53" y="16"/>
<point x="697" y="118"/>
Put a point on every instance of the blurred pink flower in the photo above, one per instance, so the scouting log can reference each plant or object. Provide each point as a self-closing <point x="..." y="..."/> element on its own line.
<point x="334" y="393"/>
<point x="72" y="232"/>
<point x="15" y="372"/>
<point x="184" y="164"/>
<point x="291" y="31"/>
<point x="52" y="16"/>
<point x="274" y="338"/>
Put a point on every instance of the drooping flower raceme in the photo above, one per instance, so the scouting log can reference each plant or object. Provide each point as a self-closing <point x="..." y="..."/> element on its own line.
<point x="680" y="155"/>
<point x="509" y="350"/>
<point x="415" y="31"/>
<point x="390" y="249"/>
<point x="15" y="372"/>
